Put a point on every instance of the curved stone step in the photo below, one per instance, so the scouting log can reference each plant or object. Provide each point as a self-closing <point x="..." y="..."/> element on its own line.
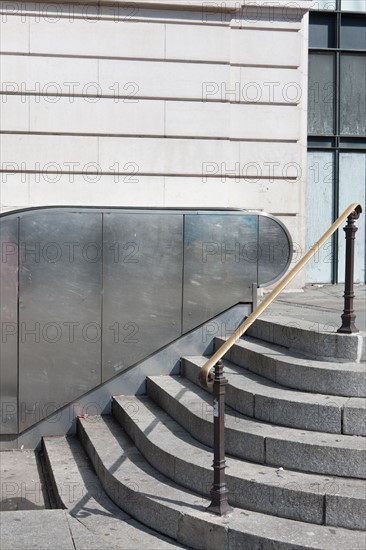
<point x="78" y="489"/>
<point x="284" y="493"/>
<point x="150" y="497"/>
<point x="297" y="371"/>
<point x="257" y="441"/>
<point x="260" y="398"/>
<point x="309" y="337"/>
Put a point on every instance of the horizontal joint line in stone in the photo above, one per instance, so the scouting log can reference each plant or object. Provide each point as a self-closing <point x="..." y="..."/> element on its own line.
<point x="246" y="179"/>
<point x="147" y="136"/>
<point x="137" y="98"/>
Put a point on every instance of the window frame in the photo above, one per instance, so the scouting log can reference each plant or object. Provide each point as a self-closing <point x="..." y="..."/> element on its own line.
<point x="336" y="142"/>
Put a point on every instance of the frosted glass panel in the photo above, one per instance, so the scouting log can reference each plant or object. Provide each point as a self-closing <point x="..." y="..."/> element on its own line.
<point x="323" y="5"/>
<point x="352" y="188"/>
<point x="319" y="215"/>
<point x="321" y="94"/>
<point x="353" y="96"/>
<point x="353" y="5"/>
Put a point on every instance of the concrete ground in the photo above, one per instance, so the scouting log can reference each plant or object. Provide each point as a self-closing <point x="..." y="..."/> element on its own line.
<point x="322" y="304"/>
<point x="25" y="522"/>
<point x="22" y="485"/>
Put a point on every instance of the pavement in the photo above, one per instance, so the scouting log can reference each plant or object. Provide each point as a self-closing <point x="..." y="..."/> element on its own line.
<point x="322" y="304"/>
<point x="22" y="485"/>
<point x="25" y="520"/>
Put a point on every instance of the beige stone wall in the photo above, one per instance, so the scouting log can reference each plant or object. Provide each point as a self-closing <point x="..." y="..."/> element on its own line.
<point x="130" y="105"/>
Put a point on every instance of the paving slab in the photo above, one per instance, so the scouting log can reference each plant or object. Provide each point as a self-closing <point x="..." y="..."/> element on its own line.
<point x="83" y="538"/>
<point x="94" y="518"/>
<point x="35" y="530"/>
<point x="22" y="486"/>
<point x="321" y="303"/>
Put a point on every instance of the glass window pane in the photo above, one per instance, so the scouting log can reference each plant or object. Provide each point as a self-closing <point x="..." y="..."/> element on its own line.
<point x="321" y="30"/>
<point x="352" y="188"/>
<point x="353" y="143"/>
<point x="354" y="5"/>
<point x="353" y="97"/>
<point x="353" y="32"/>
<point x="329" y="5"/>
<point x="319" y="214"/>
<point x="320" y="142"/>
<point x="321" y="94"/>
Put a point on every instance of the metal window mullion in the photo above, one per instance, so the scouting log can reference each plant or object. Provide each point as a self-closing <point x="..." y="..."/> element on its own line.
<point x="335" y="215"/>
<point x="337" y="119"/>
<point x="336" y="126"/>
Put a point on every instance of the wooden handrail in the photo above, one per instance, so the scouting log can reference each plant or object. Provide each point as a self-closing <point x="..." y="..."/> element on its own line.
<point x="205" y="372"/>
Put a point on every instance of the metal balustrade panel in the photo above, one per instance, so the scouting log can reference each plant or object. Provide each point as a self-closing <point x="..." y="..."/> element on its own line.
<point x="220" y="264"/>
<point x="274" y="250"/>
<point x="142" y="297"/>
<point x="59" y="310"/>
<point x="9" y="326"/>
<point x="101" y="289"/>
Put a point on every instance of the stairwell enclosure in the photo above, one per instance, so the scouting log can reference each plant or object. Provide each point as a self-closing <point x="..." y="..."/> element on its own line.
<point x="86" y="293"/>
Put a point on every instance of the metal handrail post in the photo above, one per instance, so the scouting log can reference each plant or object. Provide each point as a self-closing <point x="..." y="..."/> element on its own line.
<point x="349" y="316"/>
<point x="219" y="492"/>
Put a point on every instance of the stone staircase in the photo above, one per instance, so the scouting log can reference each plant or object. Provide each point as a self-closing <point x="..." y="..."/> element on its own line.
<point x="295" y="442"/>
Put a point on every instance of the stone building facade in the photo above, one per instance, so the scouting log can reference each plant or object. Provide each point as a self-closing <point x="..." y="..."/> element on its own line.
<point x="156" y="103"/>
<point x="174" y="103"/>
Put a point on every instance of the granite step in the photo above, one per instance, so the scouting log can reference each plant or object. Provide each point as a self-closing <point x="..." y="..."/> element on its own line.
<point x="138" y="489"/>
<point x="78" y="489"/>
<point x="294" y="495"/>
<point x="316" y="339"/>
<point x="260" y="398"/>
<point x="298" y="371"/>
<point x="257" y="441"/>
